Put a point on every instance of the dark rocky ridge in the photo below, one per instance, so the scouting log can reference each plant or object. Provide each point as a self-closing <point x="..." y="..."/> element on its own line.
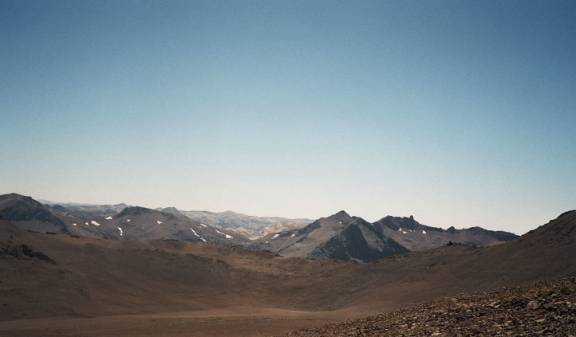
<point x="137" y="211"/>
<point x="416" y="237"/>
<point x="29" y="213"/>
<point x="353" y="243"/>
<point x="338" y="237"/>
<point x="23" y="251"/>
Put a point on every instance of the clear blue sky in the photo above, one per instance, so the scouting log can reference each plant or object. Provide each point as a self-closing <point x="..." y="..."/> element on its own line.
<point x="459" y="112"/>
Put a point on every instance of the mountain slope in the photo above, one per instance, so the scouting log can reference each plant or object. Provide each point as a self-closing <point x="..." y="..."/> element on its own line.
<point x="338" y="236"/>
<point x="13" y="244"/>
<point x="543" y="309"/>
<point x="253" y="227"/>
<point x="415" y="236"/>
<point x="87" y="210"/>
<point x="559" y="231"/>
<point x="118" y="222"/>
<point x="29" y="214"/>
<point x="139" y="223"/>
<point x="358" y="242"/>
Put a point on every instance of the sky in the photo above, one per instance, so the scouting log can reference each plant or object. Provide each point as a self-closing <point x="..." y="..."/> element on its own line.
<point x="461" y="113"/>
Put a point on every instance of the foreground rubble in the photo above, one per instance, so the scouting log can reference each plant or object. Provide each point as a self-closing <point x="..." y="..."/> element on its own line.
<point x="543" y="309"/>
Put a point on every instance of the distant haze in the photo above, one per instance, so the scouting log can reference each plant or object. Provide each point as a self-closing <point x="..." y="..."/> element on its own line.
<point x="461" y="113"/>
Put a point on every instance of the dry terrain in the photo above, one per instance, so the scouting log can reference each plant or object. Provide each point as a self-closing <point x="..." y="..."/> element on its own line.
<point x="60" y="285"/>
<point x="542" y="309"/>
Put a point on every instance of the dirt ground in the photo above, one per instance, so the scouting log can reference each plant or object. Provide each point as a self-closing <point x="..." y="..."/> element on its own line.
<point x="245" y="322"/>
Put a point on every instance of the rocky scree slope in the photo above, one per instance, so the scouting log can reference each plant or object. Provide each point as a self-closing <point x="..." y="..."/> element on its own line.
<point x="542" y="309"/>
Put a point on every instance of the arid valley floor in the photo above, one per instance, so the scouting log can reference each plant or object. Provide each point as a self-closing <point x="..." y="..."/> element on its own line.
<point x="66" y="285"/>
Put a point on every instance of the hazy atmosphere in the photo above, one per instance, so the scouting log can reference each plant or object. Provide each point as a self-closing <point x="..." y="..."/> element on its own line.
<point x="461" y="115"/>
<point x="287" y="168"/>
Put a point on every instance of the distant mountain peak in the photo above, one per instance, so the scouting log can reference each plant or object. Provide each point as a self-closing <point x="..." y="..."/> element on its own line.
<point x="16" y="196"/>
<point x="12" y="195"/>
<point x="16" y="207"/>
<point x="135" y="210"/>
<point x="396" y="222"/>
<point x="171" y="210"/>
<point x="340" y="216"/>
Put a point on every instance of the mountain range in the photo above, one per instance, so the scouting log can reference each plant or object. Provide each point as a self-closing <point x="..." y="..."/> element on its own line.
<point x="337" y="237"/>
<point x="344" y="237"/>
<point x="252" y="227"/>
<point x="118" y="222"/>
<point x="65" y="284"/>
